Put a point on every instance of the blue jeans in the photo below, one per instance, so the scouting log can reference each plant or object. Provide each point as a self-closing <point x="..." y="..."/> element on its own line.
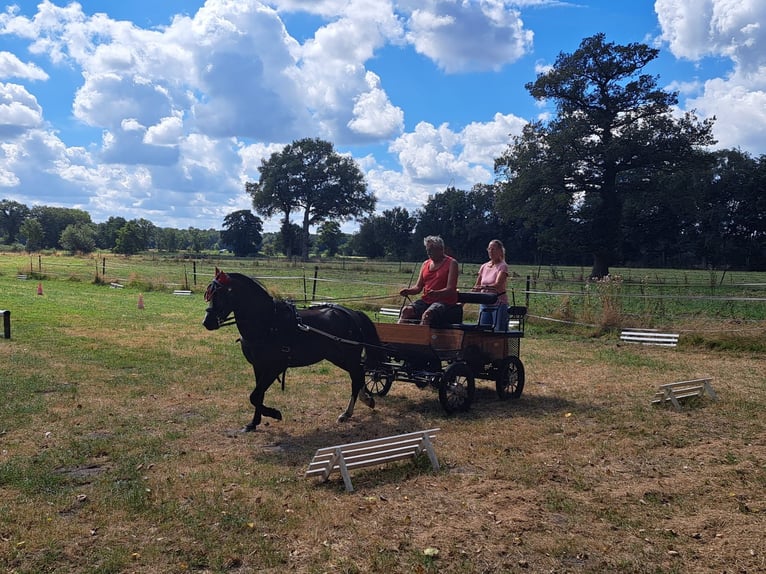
<point x="495" y="315"/>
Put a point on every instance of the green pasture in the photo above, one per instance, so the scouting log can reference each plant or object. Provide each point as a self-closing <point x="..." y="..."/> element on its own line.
<point x="631" y="297"/>
<point x="119" y="451"/>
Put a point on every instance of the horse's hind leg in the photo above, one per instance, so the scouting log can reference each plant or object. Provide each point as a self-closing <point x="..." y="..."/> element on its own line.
<point x="357" y="385"/>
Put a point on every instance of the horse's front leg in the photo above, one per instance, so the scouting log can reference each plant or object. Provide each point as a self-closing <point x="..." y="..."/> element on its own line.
<point x="357" y="386"/>
<point x="262" y="384"/>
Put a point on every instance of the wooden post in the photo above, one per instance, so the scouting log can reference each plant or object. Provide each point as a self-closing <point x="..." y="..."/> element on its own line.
<point x="6" y="323"/>
<point x="526" y="302"/>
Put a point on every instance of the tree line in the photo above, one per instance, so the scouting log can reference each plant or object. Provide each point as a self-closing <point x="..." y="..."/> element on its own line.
<point x="616" y="177"/>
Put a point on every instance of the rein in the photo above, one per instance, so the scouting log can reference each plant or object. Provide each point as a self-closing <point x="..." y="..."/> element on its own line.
<point x="306" y="328"/>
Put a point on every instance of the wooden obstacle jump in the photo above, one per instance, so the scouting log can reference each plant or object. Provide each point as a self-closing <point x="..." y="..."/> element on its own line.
<point x="649" y="337"/>
<point x="346" y="457"/>
<point x="680" y="390"/>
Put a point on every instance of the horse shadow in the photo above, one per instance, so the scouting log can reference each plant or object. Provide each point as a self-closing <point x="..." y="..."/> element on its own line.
<point x="396" y="413"/>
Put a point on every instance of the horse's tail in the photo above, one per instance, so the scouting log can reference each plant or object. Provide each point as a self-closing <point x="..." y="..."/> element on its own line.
<point x="374" y="352"/>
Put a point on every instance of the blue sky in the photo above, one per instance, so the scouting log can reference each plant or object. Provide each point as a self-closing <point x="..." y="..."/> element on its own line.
<point x="164" y="109"/>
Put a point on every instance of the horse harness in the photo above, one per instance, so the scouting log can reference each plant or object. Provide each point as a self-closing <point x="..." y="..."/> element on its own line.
<point x="282" y="333"/>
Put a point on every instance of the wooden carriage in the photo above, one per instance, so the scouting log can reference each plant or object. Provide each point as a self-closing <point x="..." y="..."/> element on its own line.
<point x="452" y="358"/>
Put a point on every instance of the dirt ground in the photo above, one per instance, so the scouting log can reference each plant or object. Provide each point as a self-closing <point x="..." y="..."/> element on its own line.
<point x="581" y="474"/>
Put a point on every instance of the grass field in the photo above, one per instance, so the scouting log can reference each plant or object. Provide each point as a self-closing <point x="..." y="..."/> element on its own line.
<point x="120" y="450"/>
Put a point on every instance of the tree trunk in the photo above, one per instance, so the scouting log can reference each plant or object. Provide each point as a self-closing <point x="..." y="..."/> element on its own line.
<point x="600" y="265"/>
<point x="606" y="224"/>
<point x="305" y="236"/>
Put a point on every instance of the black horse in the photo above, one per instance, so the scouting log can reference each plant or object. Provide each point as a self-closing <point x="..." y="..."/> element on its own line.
<point x="275" y="335"/>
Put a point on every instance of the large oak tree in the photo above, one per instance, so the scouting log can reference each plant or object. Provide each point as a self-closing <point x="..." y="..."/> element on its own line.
<point x="308" y="175"/>
<point x="611" y="119"/>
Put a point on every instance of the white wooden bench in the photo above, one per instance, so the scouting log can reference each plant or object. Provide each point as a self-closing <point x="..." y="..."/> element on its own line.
<point x="649" y="337"/>
<point x="674" y="392"/>
<point x="184" y="292"/>
<point x="114" y="285"/>
<point x="389" y="312"/>
<point x="346" y="457"/>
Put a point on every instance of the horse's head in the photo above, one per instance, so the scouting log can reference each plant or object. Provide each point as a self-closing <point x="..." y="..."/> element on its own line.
<point x="219" y="298"/>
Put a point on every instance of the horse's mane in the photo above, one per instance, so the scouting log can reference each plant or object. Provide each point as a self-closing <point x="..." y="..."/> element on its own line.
<point x="248" y="279"/>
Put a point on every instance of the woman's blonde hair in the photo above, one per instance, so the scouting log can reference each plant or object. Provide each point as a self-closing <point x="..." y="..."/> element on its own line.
<point x="500" y="245"/>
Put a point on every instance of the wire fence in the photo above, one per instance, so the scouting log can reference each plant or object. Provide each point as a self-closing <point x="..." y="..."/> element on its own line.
<point x="643" y="297"/>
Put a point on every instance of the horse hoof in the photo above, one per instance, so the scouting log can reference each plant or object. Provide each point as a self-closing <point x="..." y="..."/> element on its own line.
<point x="343" y="418"/>
<point x="249" y="428"/>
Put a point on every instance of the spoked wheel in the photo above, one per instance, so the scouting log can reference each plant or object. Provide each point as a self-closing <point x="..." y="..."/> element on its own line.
<point x="378" y="382"/>
<point x="510" y="378"/>
<point x="456" y="388"/>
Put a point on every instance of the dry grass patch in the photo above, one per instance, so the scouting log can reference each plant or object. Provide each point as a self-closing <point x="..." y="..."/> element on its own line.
<point x="119" y="452"/>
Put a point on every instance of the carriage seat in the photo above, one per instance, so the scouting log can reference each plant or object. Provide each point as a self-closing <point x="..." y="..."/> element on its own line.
<point x="454" y="316"/>
<point x="474" y="297"/>
<point x="516" y="313"/>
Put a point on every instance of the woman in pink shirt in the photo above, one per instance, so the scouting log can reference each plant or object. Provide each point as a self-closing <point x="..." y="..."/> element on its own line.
<point x="492" y="278"/>
<point x="438" y="282"/>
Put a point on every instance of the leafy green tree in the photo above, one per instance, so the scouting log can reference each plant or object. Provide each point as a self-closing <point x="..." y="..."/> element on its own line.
<point x="106" y="232"/>
<point x="288" y="239"/>
<point x="168" y="239"/>
<point x="731" y="210"/>
<point x="534" y="193"/>
<point x="610" y="119"/>
<point x="467" y="221"/>
<point x="133" y="237"/>
<point x="79" y="238"/>
<point x="55" y="219"/>
<point x="366" y="242"/>
<point x="197" y="240"/>
<point x="242" y="233"/>
<point x="309" y="176"/>
<point x="330" y="238"/>
<point x="12" y="215"/>
<point x="31" y="231"/>
<point x="395" y="232"/>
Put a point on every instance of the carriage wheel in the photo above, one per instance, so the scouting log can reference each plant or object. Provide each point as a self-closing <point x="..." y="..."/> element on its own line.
<point x="510" y="378"/>
<point x="378" y="382"/>
<point x="456" y="388"/>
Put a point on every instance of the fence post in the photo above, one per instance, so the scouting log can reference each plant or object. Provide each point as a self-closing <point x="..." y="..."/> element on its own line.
<point x="526" y="301"/>
<point x="6" y="323"/>
<point x="314" y="289"/>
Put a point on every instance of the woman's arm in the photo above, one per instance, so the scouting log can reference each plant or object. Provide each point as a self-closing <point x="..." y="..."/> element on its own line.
<point x="477" y="285"/>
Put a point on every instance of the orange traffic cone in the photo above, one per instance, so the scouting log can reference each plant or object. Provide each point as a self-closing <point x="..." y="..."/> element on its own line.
<point x="140" y="301"/>
<point x="39" y="288"/>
